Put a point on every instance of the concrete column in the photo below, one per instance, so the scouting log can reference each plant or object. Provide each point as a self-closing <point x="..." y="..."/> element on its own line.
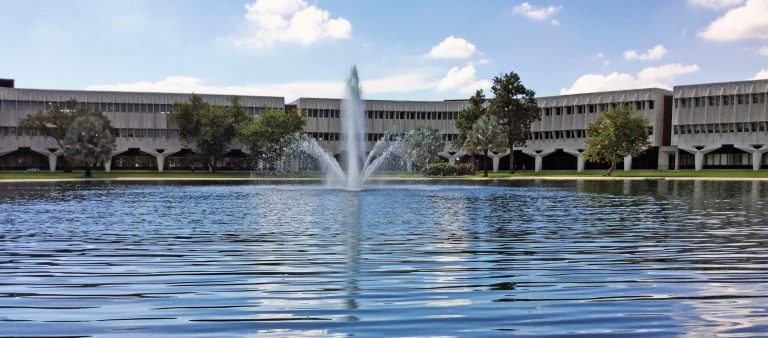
<point x="538" y="162"/>
<point x="663" y="160"/>
<point x="496" y="163"/>
<point x="580" y="163"/>
<point x="757" y="158"/>
<point x="451" y="160"/>
<point x="699" y="160"/>
<point x="677" y="159"/>
<point x="108" y="164"/>
<point x="160" y="162"/>
<point x="52" y="158"/>
<point x="627" y="163"/>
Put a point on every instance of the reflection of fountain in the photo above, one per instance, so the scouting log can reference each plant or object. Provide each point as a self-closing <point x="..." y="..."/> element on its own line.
<point x="359" y="167"/>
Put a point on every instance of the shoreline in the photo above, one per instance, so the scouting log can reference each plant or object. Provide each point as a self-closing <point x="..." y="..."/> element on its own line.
<point x="387" y="179"/>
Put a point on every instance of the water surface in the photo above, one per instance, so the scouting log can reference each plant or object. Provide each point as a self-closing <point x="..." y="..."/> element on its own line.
<point x="575" y="258"/>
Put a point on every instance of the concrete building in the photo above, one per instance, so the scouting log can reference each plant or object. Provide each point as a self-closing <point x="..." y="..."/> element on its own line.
<point x="559" y="138"/>
<point x="145" y="138"/>
<point x="382" y="117"/>
<point x="721" y="125"/>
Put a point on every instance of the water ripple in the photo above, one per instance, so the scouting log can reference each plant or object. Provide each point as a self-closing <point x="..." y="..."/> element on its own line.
<point x="578" y="258"/>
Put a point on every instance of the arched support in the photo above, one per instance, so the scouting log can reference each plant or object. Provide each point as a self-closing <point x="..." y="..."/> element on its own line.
<point x="496" y="158"/>
<point x="108" y="161"/>
<point x="627" y="163"/>
<point x="698" y="155"/>
<point x="52" y="156"/>
<point x="579" y="158"/>
<point x="538" y="157"/>
<point x="757" y="153"/>
<point x="448" y="156"/>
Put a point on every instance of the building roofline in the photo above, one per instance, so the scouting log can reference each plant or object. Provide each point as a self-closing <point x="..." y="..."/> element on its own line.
<point x="606" y="92"/>
<point x="138" y="92"/>
<point x="719" y="83"/>
<point x="377" y="100"/>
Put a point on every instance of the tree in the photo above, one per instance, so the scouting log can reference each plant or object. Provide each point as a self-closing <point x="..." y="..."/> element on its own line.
<point x="516" y="108"/>
<point x="423" y="145"/>
<point x="88" y="141"/>
<point x="213" y="129"/>
<point x="618" y="133"/>
<point x="467" y="117"/>
<point x="55" y="122"/>
<point x="486" y="135"/>
<point x="270" y="133"/>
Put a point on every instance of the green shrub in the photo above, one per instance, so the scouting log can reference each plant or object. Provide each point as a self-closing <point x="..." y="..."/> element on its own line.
<point x="466" y="169"/>
<point x="441" y="169"/>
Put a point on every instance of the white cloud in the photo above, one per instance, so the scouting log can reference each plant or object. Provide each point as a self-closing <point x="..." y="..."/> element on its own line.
<point x="655" y="53"/>
<point x="646" y="78"/>
<point x="409" y="81"/>
<point x="667" y="72"/>
<point x="453" y="48"/>
<point x="715" y="4"/>
<point x="399" y="83"/>
<point x="538" y="13"/>
<point x="463" y="80"/>
<point x="601" y="57"/>
<point x="763" y="51"/>
<point x="290" y="21"/>
<point x="761" y="75"/>
<point x="188" y="84"/>
<point x="749" y="21"/>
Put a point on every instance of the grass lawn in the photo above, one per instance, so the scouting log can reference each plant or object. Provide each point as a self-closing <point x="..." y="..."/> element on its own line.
<point x="736" y="173"/>
<point x="732" y="173"/>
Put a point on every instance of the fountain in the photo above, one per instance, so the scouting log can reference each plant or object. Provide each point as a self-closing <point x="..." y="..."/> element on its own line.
<point x="359" y="166"/>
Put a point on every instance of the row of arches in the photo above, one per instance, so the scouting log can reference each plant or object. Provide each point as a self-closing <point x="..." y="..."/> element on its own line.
<point x="25" y="158"/>
<point x="561" y="160"/>
<point x="725" y="157"/>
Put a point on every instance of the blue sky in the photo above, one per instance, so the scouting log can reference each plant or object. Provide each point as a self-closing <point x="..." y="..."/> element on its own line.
<point x="405" y="49"/>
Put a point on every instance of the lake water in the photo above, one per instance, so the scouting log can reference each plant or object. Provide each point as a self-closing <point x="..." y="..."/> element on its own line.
<point x="549" y="258"/>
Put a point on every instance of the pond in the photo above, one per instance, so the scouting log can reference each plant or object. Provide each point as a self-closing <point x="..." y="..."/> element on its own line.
<point x="538" y="258"/>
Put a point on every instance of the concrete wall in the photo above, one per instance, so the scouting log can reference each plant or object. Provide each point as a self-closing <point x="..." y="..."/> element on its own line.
<point x="710" y="117"/>
<point x="441" y="116"/>
<point x="141" y="119"/>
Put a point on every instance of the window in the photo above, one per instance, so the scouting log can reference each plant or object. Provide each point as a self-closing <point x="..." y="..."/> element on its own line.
<point x="697" y="102"/>
<point x="650" y="104"/>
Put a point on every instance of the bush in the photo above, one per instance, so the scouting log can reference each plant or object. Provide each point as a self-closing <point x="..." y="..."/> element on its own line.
<point x="466" y="169"/>
<point x="441" y="169"/>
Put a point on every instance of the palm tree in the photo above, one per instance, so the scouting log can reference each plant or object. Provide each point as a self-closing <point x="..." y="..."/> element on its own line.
<point x="486" y="135"/>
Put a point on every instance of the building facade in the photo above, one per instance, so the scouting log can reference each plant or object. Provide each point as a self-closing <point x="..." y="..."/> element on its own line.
<point x="559" y="137"/>
<point x="145" y="139"/>
<point x="721" y="125"/>
<point x="382" y="117"/>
